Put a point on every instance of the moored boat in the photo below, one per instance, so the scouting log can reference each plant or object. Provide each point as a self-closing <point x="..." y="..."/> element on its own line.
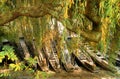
<point x="52" y="59"/>
<point x="66" y="60"/>
<point x="85" y="61"/>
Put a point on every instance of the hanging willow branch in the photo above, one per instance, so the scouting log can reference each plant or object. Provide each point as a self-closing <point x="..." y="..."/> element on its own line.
<point x="40" y="11"/>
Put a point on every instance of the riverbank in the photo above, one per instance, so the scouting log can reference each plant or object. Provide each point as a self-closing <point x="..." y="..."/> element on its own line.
<point x="84" y="74"/>
<point x="80" y="73"/>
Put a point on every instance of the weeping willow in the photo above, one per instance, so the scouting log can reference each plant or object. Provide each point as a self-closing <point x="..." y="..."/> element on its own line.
<point x="85" y="18"/>
<point x="109" y="12"/>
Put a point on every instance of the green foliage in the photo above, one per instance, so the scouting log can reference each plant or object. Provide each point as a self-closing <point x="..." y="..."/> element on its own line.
<point x="9" y="52"/>
<point x="3" y="7"/>
<point x="31" y="61"/>
<point x="21" y="65"/>
<point x="1" y="56"/>
<point x="42" y="75"/>
<point x="109" y="12"/>
<point x="73" y="44"/>
<point x="17" y="66"/>
<point x="10" y="32"/>
<point x="5" y="74"/>
<point x="119" y="42"/>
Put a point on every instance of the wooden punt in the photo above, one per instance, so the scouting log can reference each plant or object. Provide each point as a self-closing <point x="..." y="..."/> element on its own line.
<point x="52" y="58"/>
<point x="85" y="60"/>
<point x="65" y="61"/>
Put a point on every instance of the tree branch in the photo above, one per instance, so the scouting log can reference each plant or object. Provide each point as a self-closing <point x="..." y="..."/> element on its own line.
<point x="89" y="35"/>
<point x="34" y="12"/>
<point x="40" y="11"/>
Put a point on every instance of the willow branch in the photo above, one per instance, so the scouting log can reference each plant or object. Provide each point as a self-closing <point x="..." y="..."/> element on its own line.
<point x="33" y="11"/>
<point x="92" y="35"/>
<point x="89" y="35"/>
